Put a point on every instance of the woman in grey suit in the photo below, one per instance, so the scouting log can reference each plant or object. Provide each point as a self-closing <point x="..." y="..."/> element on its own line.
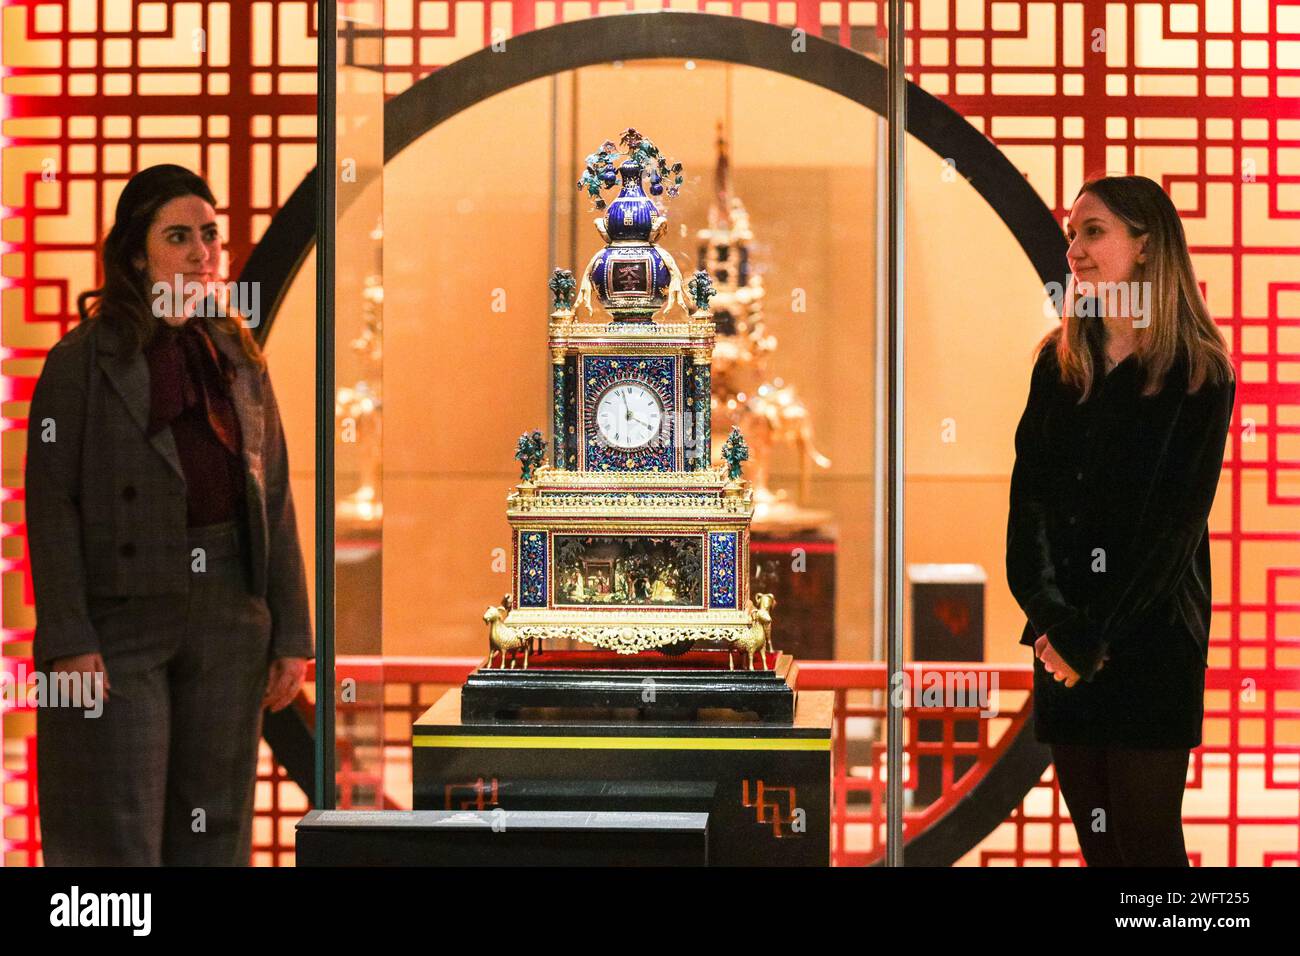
<point x="164" y="551"/>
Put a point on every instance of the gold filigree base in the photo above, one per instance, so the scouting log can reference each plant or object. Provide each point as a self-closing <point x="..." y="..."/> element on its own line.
<point x="518" y="630"/>
<point x="629" y="634"/>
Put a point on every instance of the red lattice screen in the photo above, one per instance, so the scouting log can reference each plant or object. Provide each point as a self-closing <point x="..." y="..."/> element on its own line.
<point x="1202" y="96"/>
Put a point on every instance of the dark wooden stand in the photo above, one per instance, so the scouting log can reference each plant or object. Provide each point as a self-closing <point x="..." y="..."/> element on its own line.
<point x="765" y="786"/>
<point x="646" y="686"/>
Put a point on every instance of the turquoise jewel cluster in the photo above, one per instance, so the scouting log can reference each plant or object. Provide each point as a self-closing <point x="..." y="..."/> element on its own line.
<point x="529" y="452"/>
<point x="734" y="451"/>
<point x="700" y="289"/>
<point x="564" y="289"/>
<point x="602" y="172"/>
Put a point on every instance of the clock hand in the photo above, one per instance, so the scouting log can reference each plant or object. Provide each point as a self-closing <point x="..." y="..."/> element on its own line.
<point x="627" y="416"/>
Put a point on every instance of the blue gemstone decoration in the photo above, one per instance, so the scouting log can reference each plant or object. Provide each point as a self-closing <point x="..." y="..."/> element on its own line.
<point x="630" y="275"/>
<point x="657" y="372"/>
<point x="532" y="569"/>
<point x="632" y="281"/>
<point x="722" y="569"/>
<point x="631" y="212"/>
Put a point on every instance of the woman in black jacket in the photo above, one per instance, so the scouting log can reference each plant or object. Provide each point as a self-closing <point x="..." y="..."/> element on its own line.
<point x="1118" y="456"/>
<point x="164" y="550"/>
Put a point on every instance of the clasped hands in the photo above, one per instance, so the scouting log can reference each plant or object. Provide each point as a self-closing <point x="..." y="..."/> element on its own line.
<point x="1055" y="665"/>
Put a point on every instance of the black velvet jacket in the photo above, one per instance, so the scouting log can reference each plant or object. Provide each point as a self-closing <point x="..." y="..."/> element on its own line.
<point x="1107" y="533"/>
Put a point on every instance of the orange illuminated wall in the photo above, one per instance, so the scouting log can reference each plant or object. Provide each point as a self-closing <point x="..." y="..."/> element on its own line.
<point x="1200" y="96"/>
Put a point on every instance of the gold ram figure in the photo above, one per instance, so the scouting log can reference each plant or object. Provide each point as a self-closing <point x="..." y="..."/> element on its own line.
<point x="759" y="636"/>
<point x="765" y="602"/>
<point x="502" y="637"/>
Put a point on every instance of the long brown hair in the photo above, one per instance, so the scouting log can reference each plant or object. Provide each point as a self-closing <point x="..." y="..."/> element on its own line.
<point x="1180" y="324"/>
<point x="123" y="299"/>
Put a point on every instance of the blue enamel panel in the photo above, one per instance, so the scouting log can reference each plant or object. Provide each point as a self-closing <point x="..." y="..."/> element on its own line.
<point x="657" y="372"/>
<point x="532" y="569"/>
<point x="722" y="569"/>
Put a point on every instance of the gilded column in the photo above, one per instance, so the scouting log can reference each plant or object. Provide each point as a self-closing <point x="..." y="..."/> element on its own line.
<point x="700" y="453"/>
<point x="560" y="412"/>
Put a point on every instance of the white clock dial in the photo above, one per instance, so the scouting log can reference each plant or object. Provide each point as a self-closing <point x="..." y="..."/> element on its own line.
<point x="628" y="415"/>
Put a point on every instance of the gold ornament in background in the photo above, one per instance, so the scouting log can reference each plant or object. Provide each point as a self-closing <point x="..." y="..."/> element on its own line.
<point x="358" y="410"/>
<point x="768" y="411"/>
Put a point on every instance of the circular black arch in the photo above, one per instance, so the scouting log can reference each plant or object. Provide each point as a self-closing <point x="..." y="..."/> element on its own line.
<point x="672" y="35"/>
<point x="675" y="35"/>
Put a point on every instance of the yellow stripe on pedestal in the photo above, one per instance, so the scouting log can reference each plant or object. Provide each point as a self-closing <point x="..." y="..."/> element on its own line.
<point x="620" y="743"/>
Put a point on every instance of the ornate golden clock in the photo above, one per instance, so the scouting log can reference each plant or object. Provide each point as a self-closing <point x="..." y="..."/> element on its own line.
<point x="629" y="540"/>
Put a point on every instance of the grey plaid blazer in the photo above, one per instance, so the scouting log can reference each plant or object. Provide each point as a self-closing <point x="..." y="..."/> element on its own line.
<point x="106" y="505"/>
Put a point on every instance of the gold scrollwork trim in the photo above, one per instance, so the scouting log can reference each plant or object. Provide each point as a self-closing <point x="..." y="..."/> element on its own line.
<point x="630" y="616"/>
<point x="610" y="507"/>
<point x="557" y="491"/>
<point x="663" y="501"/>
<point x="709" y="479"/>
<point x="658" y="331"/>
<point x="632" y="638"/>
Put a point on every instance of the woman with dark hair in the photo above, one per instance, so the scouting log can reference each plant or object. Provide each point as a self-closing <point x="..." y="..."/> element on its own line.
<point x="164" y="550"/>
<point x="1118" y="456"/>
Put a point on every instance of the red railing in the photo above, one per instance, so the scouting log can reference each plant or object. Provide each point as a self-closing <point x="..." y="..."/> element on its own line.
<point x="395" y="691"/>
<point x="387" y="695"/>
<point x="844" y="678"/>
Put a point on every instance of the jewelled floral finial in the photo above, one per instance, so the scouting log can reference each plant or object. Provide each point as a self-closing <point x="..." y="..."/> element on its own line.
<point x="644" y="153"/>
<point x="563" y="288"/>
<point x="530" y="451"/>
<point x="734" y="451"/>
<point x="701" y="289"/>
<point x="602" y="171"/>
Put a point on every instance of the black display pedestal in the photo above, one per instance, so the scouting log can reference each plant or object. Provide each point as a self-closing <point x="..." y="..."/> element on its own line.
<point x="765" y="786"/>
<point x="656" y="688"/>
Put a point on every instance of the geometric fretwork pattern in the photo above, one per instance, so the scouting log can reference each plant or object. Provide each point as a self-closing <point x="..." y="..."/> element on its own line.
<point x="95" y="90"/>
<point x="1201" y="96"/>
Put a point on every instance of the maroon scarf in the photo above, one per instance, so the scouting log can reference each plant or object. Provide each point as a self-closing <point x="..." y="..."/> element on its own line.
<point x="186" y="369"/>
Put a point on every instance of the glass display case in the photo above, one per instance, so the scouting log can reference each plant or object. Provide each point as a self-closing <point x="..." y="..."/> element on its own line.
<point x="452" y="195"/>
